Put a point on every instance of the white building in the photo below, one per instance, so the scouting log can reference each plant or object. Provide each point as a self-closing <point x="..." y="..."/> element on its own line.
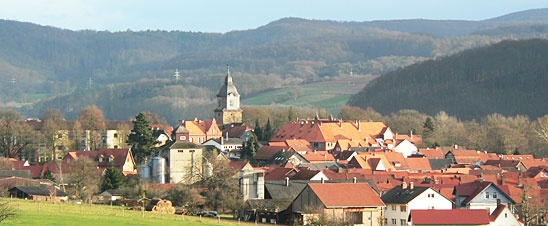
<point x="402" y="199"/>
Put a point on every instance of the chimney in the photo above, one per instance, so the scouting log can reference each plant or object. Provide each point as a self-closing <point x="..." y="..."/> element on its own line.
<point x="354" y="180"/>
<point x="498" y="202"/>
<point x="411" y="132"/>
<point x="340" y="123"/>
<point x="222" y="140"/>
<point x="502" y="179"/>
<point x="519" y="180"/>
<point x="404" y="185"/>
<point x="322" y="180"/>
<point x="456" y="146"/>
<point x="287" y="181"/>
<point x="411" y="185"/>
<point x="359" y="127"/>
<point x="226" y="135"/>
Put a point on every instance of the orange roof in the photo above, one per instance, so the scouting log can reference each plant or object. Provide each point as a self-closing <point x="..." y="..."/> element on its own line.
<point x="432" y="153"/>
<point x="346" y="195"/>
<point x="318" y="156"/>
<point x="299" y="145"/>
<point x="418" y="164"/>
<point x="417" y="139"/>
<point x="518" y="157"/>
<point x="319" y="130"/>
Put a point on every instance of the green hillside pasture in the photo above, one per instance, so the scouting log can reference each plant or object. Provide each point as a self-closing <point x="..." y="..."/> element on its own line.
<point x="330" y="95"/>
<point x="28" y="213"/>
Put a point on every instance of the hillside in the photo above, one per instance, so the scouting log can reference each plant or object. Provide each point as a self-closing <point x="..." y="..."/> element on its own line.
<point x="43" y="67"/>
<point x="509" y="77"/>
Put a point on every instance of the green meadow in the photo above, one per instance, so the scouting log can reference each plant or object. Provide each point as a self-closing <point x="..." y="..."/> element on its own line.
<point x="331" y="95"/>
<point x="47" y="213"/>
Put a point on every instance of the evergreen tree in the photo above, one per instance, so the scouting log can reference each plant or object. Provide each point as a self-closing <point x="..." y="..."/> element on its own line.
<point x="48" y="176"/>
<point x="113" y="179"/>
<point x="428" y="126"/>
<point x="290" y="114"/>
<point x="258" y="130"/>
<point x="141" y="139"/>
<point x="268" y="131"/>
<point x="250" y="148"/>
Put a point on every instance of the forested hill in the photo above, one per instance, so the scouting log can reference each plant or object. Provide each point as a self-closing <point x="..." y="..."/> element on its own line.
<point x="46" y="67"/>
<point x="510" y="77"/>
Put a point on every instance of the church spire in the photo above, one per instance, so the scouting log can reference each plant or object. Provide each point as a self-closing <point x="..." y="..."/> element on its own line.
<point x="228" y="79"/>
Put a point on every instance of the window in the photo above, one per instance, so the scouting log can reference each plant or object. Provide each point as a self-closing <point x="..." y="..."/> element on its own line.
<point x="100" y="159"/>
<point x="59" y="136"/>
<point x="190" y="139"/>
<point x="115" y="135"/>
<point x="393" y="220"/>
<point x="486" y="195"/>
<point x="394" y="207"/>
<point x="403" y="208"/>
<point x="432" y="195"/>
<point x="182" y="137"/>
<point x="494" y="195"/>
<point x="505" y="215"/>
<point x="403" y="221"/>
<point x="115" y="146"/>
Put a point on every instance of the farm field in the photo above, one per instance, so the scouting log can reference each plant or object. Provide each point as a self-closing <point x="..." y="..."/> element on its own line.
<point x="28" y="213"/>
<point x="331" y="95"/>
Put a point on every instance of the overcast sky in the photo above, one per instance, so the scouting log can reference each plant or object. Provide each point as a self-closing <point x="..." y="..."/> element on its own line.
<point x="227" y="15"/>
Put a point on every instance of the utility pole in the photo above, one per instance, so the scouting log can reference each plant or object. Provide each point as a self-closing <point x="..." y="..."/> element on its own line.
<point x="177" y="75"/>
<point x="90" y="82"/>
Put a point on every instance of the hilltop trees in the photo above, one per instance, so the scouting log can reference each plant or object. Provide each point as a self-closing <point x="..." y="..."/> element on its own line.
<point x="141" y="139"/>
<point x="15" y="135"/>
<point x="92" y="123"/>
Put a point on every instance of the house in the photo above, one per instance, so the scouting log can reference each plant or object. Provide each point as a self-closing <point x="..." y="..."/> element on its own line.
<point x="353" y="203"/>
<point x="402" y="199"/>
<point x="502" y="216"/>
<point x="453" y="217"/>
<point x="183" y="162"/>
<point x="434" y="153"/>
<point x="266" y="152"/>
<point x="197" y="131"/>
<point x="231" y="147"/>
<point x="406" y="148"/>
<point x="482" y="195"/>
<point x="238" y="130"/>
<point x="162" y="133"/>
<point x="508" y="165"/>
<point x="39" y="193"/>
<point x="119" y="158"/>
<point x="418" y="165"/>
<point x="251" y="181"/>
<point x="323" y="134"/>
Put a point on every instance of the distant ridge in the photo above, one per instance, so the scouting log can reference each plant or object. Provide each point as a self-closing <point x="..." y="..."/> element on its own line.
<point x="509" y="77"/>
<point x="532" y="15"/>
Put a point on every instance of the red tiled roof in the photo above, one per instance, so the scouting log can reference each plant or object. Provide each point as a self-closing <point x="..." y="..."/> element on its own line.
<point x="432" y="153"/>
<point x="496" y="212"/>
<point x="236" y="131"/>
<point x="237" y="165"/>
<point x="266" y="152"/>
<point x="346" y="195"/>
<point x="320" y="130"/>
<point x="318" y="156"/>
<point x="279" y="173"/>
<point x="417" y="164"/>
<point x="450" y="217"/>
<point x="305" y="174"/>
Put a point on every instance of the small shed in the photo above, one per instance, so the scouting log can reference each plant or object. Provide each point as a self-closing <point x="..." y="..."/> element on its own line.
<point x="41" y="193"/>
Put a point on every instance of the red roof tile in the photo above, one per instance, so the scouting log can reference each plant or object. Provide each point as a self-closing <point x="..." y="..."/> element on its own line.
<point x="345" y="195"/>
<point x="450" y="217"/>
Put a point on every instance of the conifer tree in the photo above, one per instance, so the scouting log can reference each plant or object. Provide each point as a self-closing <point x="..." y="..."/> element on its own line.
<point x="258" y="130"/>
<point x="141" y="139"/>
<point x="268" y="131"/>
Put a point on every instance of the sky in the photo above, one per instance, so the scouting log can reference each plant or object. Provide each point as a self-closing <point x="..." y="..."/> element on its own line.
<point x="228" y="15"/>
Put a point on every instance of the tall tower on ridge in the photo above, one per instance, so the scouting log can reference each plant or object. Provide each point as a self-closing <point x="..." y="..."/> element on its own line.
<point x="228" y="109"/>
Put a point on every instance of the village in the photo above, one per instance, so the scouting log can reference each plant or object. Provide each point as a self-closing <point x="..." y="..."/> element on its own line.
<point x="312" y="171"/>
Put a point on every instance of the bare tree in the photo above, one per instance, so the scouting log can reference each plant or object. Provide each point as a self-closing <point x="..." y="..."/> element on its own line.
<point x="541" y="128"/>
<point x="92" y="121"/>
<point x="84" y="177"/>
<point x="15" y="135"/>
<point x="6" y="211"/>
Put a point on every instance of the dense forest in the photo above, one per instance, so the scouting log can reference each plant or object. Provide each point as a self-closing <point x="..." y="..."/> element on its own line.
<point x="43" y="67"/>
<point x="509" y="78"/>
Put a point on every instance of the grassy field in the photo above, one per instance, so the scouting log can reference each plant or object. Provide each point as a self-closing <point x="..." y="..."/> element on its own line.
<point x="46" y="213"/>
<point x="331" y="95"/>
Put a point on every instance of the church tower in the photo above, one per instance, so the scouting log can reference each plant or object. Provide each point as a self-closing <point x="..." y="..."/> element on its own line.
<point x="228" y="109"/>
